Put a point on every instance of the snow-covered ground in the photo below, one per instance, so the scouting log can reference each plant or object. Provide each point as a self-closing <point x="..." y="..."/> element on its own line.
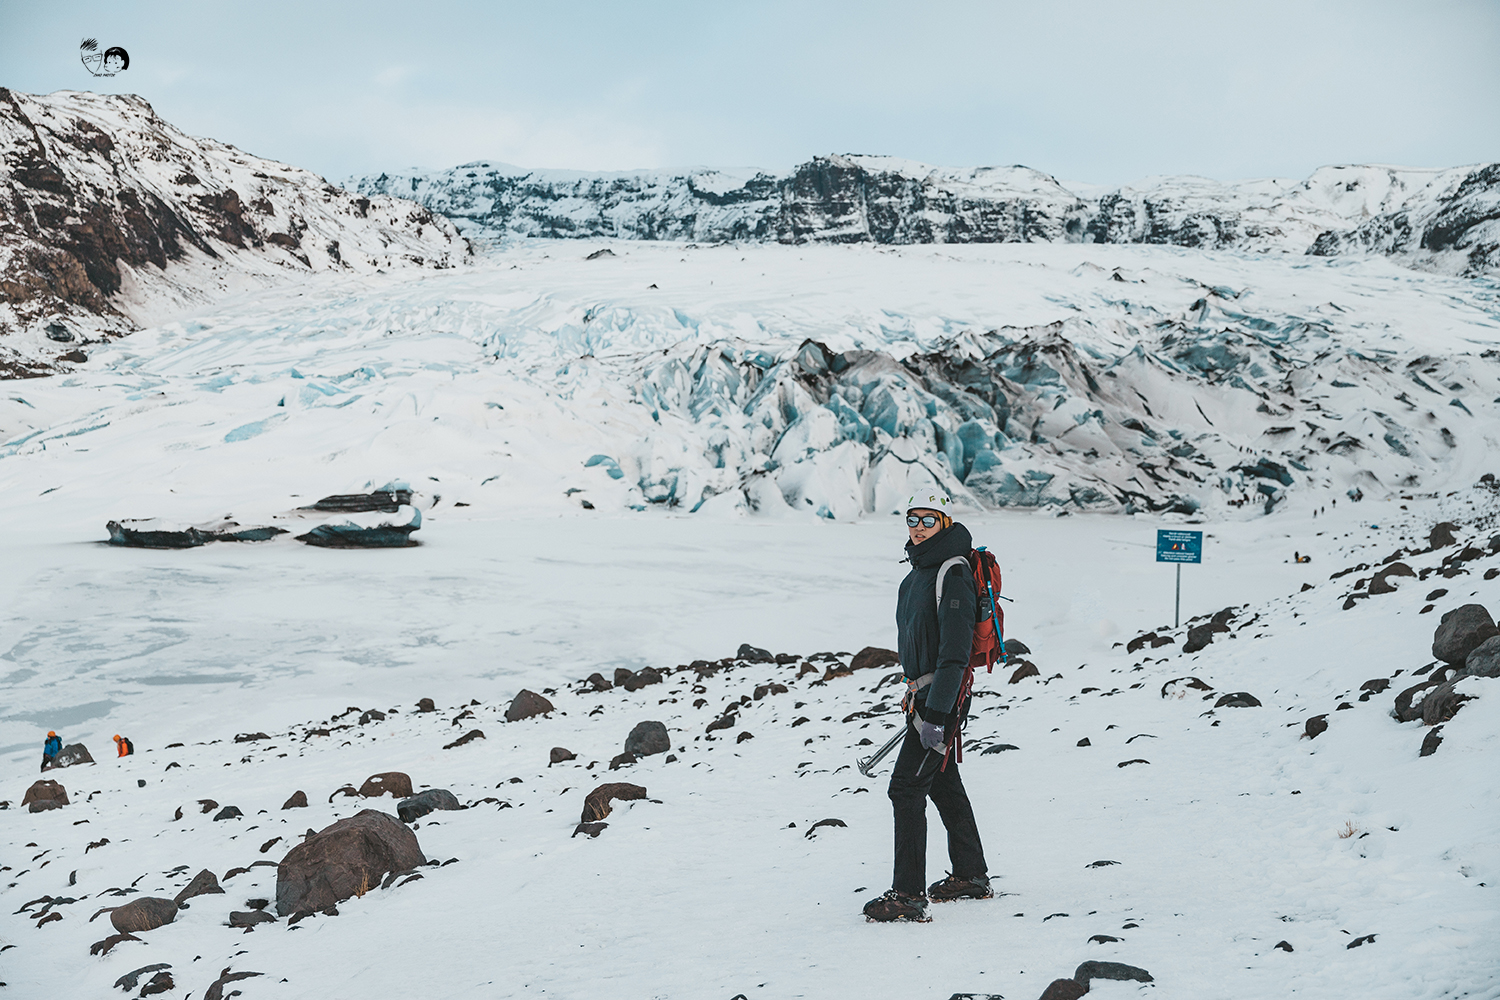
<point x="1227" y="841"/>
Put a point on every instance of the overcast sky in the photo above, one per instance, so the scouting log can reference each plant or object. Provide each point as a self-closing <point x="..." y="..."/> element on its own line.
<point x="1104" y="92"/>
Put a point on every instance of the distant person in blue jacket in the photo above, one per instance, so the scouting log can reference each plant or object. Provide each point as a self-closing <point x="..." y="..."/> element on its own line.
<point x="51" y="749"/>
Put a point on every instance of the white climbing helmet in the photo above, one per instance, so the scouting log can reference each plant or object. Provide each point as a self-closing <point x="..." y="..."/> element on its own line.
<point x="933" y="500"/>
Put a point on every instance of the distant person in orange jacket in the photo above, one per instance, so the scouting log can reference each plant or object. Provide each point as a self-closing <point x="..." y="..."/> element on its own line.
<point x="124" y="746"/>
<point x="51" y="749"/>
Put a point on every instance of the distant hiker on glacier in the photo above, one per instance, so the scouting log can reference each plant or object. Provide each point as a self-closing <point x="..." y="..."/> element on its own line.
<point x="123" y="747"/>
<point x="50" y="749"/>
<point x="934" y="644"/>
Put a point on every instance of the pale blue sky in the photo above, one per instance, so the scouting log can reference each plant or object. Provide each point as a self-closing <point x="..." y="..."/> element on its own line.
<point x="1105" y="92"/>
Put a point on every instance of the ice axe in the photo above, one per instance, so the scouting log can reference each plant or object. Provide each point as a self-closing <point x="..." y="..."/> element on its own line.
<point x="866" y="765"/>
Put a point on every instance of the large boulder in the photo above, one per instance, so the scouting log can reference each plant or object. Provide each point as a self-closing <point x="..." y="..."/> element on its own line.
<point x="874" y="656"/>
<point x="648" y="738"/>
<point x="297" y="801"/>
<point x="424" y="802"/>
<point x="367" y="531"/>
<point x="1484" y="659"/>
<point x="1198" y="637"/>
<point x="754" y="654"/>
<point x="144" y="914"/>
<point x="525" y="705"/>
<point x="1441" y="704"/>
<point x="597" y="804"/>
<point x="1461" y="631"/>
<point x="203" y="884"/>
<point x="45" y="794"/>
<point x="73" y="753"/>
<point x="343" y="860"/>
<point x="397" y="783"/>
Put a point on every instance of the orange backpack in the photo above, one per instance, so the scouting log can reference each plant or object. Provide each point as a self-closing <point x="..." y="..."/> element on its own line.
<point x="989" y="636"/>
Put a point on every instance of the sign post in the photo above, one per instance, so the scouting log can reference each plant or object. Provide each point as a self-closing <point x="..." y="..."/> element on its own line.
<point x="1179" y="547"/>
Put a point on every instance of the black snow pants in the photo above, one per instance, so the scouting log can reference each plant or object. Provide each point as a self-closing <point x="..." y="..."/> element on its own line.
<point x="916" y="776"/>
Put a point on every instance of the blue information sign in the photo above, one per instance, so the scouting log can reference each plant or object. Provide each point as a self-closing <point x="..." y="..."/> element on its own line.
<point x="1179" y="546"/>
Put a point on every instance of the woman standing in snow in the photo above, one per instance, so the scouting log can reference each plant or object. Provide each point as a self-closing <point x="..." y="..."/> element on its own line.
<point x="933" y="640"/>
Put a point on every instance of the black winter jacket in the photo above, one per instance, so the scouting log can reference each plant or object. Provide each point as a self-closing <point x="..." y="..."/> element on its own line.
<point x="930" y="639"/>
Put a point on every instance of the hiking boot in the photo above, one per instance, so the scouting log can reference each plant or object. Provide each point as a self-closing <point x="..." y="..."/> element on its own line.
<point x="895" y="905"/>
<point x="953" y="887"/>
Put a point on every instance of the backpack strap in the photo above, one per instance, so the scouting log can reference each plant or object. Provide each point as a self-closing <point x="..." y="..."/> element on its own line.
<point x="943" y="572"/>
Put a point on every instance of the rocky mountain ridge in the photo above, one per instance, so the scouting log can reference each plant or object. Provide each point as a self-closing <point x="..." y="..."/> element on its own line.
<point x="1438" y="219"/>
<point x="110" y="218"/>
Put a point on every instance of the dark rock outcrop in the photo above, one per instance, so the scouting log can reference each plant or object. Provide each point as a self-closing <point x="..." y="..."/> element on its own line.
<point x="44" y="794"/>
<point x="754" y="654"/>
<point x="525" y="705"/>
<point x="128" y="981"/>
<point x="874" y="656"/>
<point x="73" y="753"/>
<point x="343" y="860"/>
<point x="469" y="737"/>
<point x="1484" y="659"/>
<point x="648" y="738"/>
<point x="394" y="783"/>
<point x="249" y="918"/>
<point x="298" y="800"/>
<point x="1198" y="637"/>
<point x="204" y="883"/>
<point x="228" y="812"/>
<point x="560" y="754"/>
<point x="424" y="802"/>
<point x="1461" y="631"/>
<point x="147" y="913"/>
<point x="1238" y="699"/>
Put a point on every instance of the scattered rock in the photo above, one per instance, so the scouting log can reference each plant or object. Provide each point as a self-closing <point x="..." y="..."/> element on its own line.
<point x="1441" y="703"/>
<point x="345" y="859"/>
<point x="1137" y="760"/>
<point x="127" y="982"/>
<point x="823" y="822"/>
<point x="162" y="982"/>
<point x="592" y="829"/>
<point x="525" y="705"/>
<point x="1089" y="971"/>
<point x="1405" y="711"/>
<point x="1084" y="742"/>
<point x="1101" y="864"/>
<point x="1146" y="639"/>
<point x="215" y="989"/>
<point x="396" y="783"/>
<point x="596" y="682"/>
<point x="424" y="802"/>
<point x="1025" y="670"/>
<point x="249" y="918"/>
<point x="1238" y="699"/>
<point x="1315" y="727"/>
<point x="145" y="914"/>
<point x="620" y="760"/>
<point x="1178" y="687"/>
<point x="228" y="812"/>
<point x="600" y="254"/>
<point x="373" y="530"/>
<point x="597" y="804"/>
<point x="874" y="656"/>
<point x="1198" y="637"/>
<point x="250" y="737"/>
<point x="205" y="883"/>
<point x="1442" y="535"/>
<point x="742" y="737"/>
<point x="1431" y="742"/>
<point x="725" y="721"/>
<point x="1064" y="989"/>
<point x="1015" y="647"/>
<point x="1461" y="631"/>
<point x="1375" y="685"/>
<point x="560" y="754"/>
<point x="469" y="737"/>
<point x="297" y="801"/>
<point x="999" y="748"/>
<point x="426" y="705"/>
<point x="153" y="533"/>
<point x="754" y="654"/>
<point x="44" y="794"/>
<point x="1363" y="939"/>
<point x="1484" y="659"/>
<point x="1103" y="939"/>
<point x="764" y="690"/>
<point x="1283" y="945"/>
<point x="648" y="738"/>
<point x="641" y="678"/>
<point x="348" y="791"/>
<point x="103" y="947"/>
<point x="373" y="715"/>
<point x="73" y="753"/>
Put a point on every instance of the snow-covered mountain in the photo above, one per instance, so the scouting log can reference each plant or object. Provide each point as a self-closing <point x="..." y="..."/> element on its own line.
<point x="1445" y="220"/>
<point x="111" y="218"/>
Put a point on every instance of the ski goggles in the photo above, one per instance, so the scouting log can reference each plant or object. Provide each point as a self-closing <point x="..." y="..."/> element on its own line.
<point x="926" y="520"/>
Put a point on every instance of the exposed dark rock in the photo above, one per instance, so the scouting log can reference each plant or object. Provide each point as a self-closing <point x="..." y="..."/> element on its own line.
<point x="1375" y="685"/>
<point x="1064" y="989"/>
<point x="725" y="721"/>
<point x="1484" y="659"/>
<point x="1198" y="637"/>
<point x="1441" y="704"/>
<point x="764" y="690"/>
<point x="597" y="804"/>
<point x="469" y="737"/>
<point x="44" y="794"/>
<point x="742" y="737"/>
<point x="153" y="534"/>
<point x="1238" y="699"/>
<point x="250" y="737"/>
<point x="1084" y="742"/>
<point x="1148" y="639"/>
<point x="525" y="705"/>
<point x="144" y="914"/>
<point x="620" y="760"/>
<point x="1380" y="583"/>
<point x="204" y="883"/>
<point x="560" y="754"/>
<point x="592" y="829"/>
<point x="1015" y="647"/>
<point x="1137" y="760"/>
<point x="389" y="534"/>
<point x="596" y="682"/>
<point x="999" y="748"/>
<point x="1283" y="945"/>
<point x="820" y="823"/>
<point x="424" y="802"/>
<point x="1442" y="535"/>
<point x="1178" y="687"/>
<point x="397" y="784"/>
<point x="1431" y="742"/>
<point x="1103" y="939"/>
<point x="297" y="801"/>
<point x="426" y="705"/>
<point x="1089" y="971"/>
<point x="228" y="812"/>
<point x="1315" y="726"/>
<point x="1461" y="631"/>
<point x="1025" y="670"/>
<point x="128" y="981"/>
<point x="373" y="715"/>
<point x="387" y="501"/>
<point x="103" y="947"/>
<point x="345" y="859"/>
<point x="754" y="654"/>
<point x="215" y="989"/>
<point x="249" y="918"/>
<point x="871" y="656"/>
<point x="73" y="753"/>
<point x="648" y="738"/>
<point x="641" y="678"/>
